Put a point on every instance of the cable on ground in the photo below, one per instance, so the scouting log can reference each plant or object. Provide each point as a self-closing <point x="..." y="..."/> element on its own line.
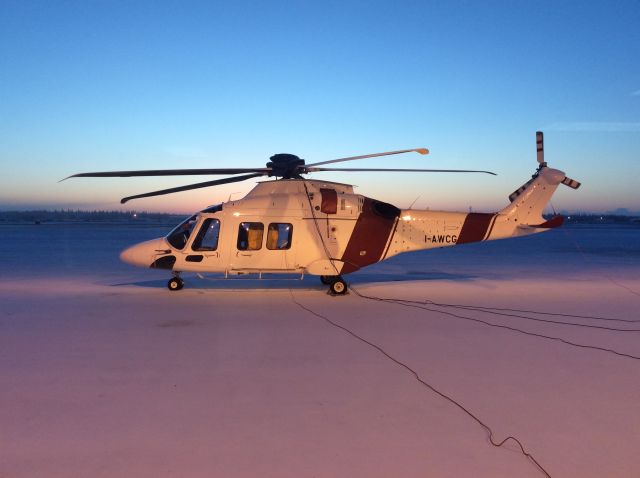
<point x="490" y="433"/>
<point x="420" y="305"/>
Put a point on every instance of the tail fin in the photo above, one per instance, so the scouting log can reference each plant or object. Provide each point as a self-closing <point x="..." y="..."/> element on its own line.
<point x="529" y="200"/>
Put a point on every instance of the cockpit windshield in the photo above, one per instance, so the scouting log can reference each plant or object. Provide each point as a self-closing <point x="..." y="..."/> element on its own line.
<point x="180" y="235"/>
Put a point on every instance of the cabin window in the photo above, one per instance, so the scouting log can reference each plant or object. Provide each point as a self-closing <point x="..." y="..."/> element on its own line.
<point x="207" y="238"/>
<point x="180" y="235"/>
<point x="250" y="236"/>
<point x="279" y="235"/>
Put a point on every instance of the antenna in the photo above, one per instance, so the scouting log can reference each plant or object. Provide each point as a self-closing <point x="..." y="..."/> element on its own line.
<point x="414" y="201"/>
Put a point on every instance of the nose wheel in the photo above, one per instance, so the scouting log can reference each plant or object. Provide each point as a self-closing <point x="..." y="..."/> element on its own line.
<point x="175" y="283"/>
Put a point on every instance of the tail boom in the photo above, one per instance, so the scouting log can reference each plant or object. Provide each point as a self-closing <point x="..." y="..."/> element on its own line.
<point x="430" y="229"/>
<point x="523" y="216"/>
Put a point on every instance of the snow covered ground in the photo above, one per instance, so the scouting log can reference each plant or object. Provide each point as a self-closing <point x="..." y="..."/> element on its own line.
<point x="105" y="373"/>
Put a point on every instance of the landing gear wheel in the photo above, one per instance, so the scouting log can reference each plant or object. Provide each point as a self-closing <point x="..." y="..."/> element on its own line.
<point x="338" y="286"/>
<point x="326" y="280"/>
<point x="175" y="283"/>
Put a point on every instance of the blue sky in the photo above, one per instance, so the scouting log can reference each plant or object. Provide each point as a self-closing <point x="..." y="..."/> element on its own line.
<point x="92" y="86"/>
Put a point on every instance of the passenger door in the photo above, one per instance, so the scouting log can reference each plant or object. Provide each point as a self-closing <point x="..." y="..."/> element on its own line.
<point x="248" y="246"/>
<point x="264" y="249"/>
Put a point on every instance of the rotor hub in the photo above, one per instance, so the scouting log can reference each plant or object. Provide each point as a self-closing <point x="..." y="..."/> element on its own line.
<point x="285" y="165"/>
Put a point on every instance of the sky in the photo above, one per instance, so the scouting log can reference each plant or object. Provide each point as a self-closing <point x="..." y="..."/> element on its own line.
<point x="107" y="85"/>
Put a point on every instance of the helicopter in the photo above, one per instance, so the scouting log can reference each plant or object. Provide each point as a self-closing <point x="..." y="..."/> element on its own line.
<point x="304" y="226"/>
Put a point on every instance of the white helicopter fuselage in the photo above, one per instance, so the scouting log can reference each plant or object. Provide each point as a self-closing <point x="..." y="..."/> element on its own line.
<point x="324" y="228"/>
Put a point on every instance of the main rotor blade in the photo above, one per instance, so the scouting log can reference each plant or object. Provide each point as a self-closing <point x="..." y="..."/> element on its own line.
<point x="188" y="187"/>
<point x="168" y="172"/>
<point x="375" y="155"/>
<point x="313" y="170"/>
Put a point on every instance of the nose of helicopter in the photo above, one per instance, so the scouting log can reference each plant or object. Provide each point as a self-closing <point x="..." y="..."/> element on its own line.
<point x="144" y="253"/>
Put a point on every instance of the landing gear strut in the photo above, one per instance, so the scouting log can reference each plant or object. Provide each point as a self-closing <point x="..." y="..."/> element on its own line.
<point x="337" y="285"/>
<point x="175" y="283"/>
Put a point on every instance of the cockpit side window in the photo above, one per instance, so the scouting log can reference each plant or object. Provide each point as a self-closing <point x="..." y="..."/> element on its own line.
<point x="207" y="238"/>
<point x="180" y="235"/>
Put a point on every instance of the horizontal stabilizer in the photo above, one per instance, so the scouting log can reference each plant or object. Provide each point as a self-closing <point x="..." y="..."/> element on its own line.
<point x="555" y="221"/>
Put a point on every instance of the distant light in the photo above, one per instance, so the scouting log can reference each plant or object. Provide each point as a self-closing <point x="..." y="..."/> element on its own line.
<point x="406" y="218"/>
<point x="135" y="215"/>
<point x="236" y="214"/>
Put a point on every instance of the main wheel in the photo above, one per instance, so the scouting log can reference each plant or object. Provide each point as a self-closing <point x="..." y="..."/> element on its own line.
<point x="338" y="286"/>
<point x="175" y="283"/>
<point x="326" y="280"/>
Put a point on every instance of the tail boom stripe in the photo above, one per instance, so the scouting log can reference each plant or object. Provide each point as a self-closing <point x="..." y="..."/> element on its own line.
<point x="493" y="222"/>
<point x="475" y="227"/>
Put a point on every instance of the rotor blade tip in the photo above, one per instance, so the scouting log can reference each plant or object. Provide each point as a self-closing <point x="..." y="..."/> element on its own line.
<point x="422" y="151"/>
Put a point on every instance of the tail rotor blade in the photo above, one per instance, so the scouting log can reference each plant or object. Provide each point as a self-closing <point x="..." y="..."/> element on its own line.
<point x="572" y="183"/>
<point x="540" y="147"/>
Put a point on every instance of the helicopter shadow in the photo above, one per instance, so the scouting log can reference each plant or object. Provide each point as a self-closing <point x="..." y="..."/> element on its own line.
<point x="308" y="283"/>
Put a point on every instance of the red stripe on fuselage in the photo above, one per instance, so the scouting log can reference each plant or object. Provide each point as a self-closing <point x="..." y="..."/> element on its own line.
<point x="475" y="227"/>
<point x="368" y="239"/>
